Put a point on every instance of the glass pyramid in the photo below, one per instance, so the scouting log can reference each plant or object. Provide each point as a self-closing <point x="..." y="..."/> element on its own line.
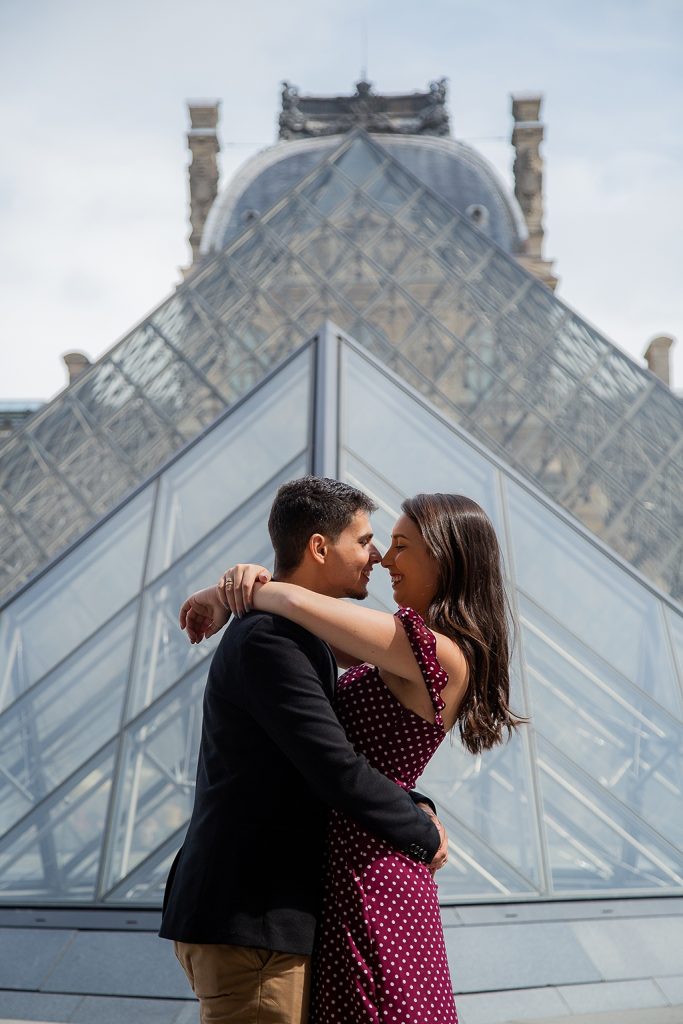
<point x="100" y="698"/>
<point x="365" y="243"/>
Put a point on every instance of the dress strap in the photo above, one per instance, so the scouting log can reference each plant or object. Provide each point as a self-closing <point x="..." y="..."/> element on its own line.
<point x="423" y="645"/>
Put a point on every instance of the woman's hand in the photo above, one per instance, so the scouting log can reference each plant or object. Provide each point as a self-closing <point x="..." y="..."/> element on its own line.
<point x="239" y="584"/>
<point x="203" y="614"/>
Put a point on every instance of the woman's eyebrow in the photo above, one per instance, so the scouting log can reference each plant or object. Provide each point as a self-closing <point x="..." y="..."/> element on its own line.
<point x="401" y="535"/>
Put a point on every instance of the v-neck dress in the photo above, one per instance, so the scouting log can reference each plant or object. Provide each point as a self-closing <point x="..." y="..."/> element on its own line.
<point x="380" y="953"/>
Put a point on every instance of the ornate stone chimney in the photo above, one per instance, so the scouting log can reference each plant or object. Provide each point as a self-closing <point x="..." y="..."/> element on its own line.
<point x="76" y="363"/>
<point x="203" y="171"/>
<point x="527" y="136"/>
<point x="657" y="357"/>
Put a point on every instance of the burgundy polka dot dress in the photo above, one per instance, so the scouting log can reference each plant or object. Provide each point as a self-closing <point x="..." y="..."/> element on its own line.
<point x="380" y="952"/>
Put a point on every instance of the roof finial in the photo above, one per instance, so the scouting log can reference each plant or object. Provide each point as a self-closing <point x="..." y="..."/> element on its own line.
<point x="364" y="43"/>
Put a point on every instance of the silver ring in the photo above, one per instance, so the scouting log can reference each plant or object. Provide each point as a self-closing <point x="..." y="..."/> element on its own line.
<point x="229" y="583"/>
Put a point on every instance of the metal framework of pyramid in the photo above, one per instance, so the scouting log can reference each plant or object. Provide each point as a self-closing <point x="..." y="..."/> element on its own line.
<point x="100" y="698"/>
<point x="363" y="242"/>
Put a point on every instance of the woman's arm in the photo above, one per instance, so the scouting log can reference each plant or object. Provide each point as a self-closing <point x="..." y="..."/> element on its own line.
<point x="364" y="634"/>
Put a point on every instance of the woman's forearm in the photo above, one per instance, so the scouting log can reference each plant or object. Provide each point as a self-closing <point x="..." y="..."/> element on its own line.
<point x="363" y="633"/>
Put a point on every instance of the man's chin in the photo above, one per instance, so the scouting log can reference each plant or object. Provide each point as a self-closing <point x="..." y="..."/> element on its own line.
<point x="359" y="592"/>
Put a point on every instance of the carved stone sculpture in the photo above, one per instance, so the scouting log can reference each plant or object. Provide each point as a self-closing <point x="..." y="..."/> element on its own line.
<point x="203" y="171"/>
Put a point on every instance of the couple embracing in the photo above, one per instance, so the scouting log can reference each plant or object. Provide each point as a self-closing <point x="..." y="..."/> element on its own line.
<point x="306" y="824"/>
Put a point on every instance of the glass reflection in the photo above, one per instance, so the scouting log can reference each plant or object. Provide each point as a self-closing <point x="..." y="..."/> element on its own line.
<point x="155" y="786"/>
<point x="55" y="853"/>
<point x="400" y="442"/>
<point x="604" y="724"/>
<point x="594" y="843"/>
<point x="237" y="457"/>
<point x="65" y="719"/>
<point x="591" y="597"/>
<point x="73" y="601"/>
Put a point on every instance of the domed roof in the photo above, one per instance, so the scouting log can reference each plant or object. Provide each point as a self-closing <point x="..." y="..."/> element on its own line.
<point x="451" y="169"/>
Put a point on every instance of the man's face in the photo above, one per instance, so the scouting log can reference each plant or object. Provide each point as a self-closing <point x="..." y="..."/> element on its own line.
<point x="350" y="559"/>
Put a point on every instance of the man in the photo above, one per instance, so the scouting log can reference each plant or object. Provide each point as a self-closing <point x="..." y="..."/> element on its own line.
<point x="243" y="892"/>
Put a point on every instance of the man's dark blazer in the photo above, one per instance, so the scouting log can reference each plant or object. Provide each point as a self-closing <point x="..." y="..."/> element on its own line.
<point x="273" y="760"/>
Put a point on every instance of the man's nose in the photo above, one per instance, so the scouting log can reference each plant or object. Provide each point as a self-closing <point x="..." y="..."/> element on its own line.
<point x="374" y="555"/>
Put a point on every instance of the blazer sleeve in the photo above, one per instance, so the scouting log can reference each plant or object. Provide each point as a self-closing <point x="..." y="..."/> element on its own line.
<point x="420" y="798"/>
<point x="283" y="692"/>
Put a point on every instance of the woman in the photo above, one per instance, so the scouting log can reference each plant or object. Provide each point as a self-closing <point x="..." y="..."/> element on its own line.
<point x="440" y="661"/>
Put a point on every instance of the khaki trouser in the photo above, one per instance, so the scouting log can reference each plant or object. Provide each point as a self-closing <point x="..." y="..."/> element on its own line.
<point x="242" y="985"/>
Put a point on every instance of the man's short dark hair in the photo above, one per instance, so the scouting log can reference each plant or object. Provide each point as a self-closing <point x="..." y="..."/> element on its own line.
<point x="311" y="504"/>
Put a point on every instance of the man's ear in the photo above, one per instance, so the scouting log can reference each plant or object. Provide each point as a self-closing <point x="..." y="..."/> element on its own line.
<point x="318" y="547"/>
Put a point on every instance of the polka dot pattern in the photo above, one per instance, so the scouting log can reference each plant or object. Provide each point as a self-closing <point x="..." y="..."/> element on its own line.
<point x="381" y="956"/>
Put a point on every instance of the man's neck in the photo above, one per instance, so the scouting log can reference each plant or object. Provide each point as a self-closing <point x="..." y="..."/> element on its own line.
<point x="302" y="577"/>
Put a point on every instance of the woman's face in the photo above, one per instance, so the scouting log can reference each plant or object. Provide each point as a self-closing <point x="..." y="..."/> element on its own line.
<point x="414" y="573"/>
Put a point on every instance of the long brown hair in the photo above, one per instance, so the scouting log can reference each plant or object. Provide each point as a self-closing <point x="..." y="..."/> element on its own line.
<point x="470" y="606"/>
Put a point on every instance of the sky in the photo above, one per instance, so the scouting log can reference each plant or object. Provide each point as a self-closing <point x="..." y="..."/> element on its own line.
<point x="93" y="173"/>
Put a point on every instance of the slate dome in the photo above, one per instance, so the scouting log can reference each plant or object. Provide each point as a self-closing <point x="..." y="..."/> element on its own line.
<point x="451" y="169"/>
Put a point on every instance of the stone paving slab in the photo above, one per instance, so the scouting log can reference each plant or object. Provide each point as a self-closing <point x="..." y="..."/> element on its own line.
<point x="665" y="1015"/>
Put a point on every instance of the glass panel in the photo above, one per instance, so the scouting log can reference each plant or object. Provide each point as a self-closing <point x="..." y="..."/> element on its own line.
<point x="675" y="621"/>
<point x="586" y="422"/>
<point x="380" y="424"/>
<point x="591" y="597"/>
<point x="660" y="417"/>
<point x="500" y="280"/>
<point x="54" y="854"/>
<point x="72" y="601"/>
<point x="461" y="249"/>
<point x="259" y="255"/>
<point x="215" y="286"/>
<point x="394" y="249"/>
<point x="425" y="278"/>
<point x="493" y="796"/>
<point x="619" y="380"/>
<point x="143" y="437"/>
<point x="226" y="466"/>
<point x="20" y="469"/>
<point x="603" y="724"/>
<point x="146" y="884"/>
<point x="293" y="221"/>
<point x="64" y="720"/>
<point x="104" y="390"/>
<point x="441" y="360"/>
<point x="394" y="315"/>
<point x="326" y="249"/>
<point x="327" y="190"/>
<point x="577" y="347"/>
<point x="61" y="431"/>
<point x="17" y="551"/>
<point x="594" y="843"/>
<point x="358" y="161"/>
<point x="474" y="871"/>
<point x="359" y="220"/>
<point x="392" y="188"/>
<point x="52" y="514"/>
<point x="157" y="777"/>
<point x="326" y="305"/>
<point x="295" y="287"/>
<point x="426" y="217"/>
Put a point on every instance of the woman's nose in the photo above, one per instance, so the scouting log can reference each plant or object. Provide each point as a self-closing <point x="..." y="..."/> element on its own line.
<point x="386" y="561"/>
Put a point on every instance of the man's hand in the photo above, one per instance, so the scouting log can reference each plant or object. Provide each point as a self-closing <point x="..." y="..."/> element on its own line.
<point x="441" y="856"/>
<point x="203" y="614"/>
